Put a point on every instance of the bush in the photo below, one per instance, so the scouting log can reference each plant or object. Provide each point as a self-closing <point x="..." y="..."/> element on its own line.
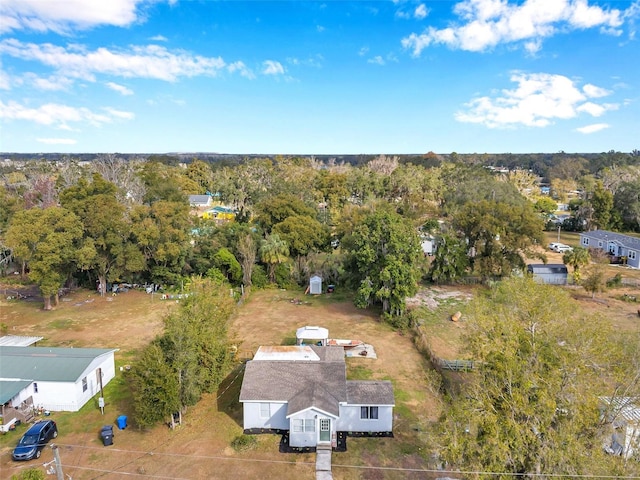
<point x="399" y="322"/>
<point x="615" y="281"/>
<point x="243" y="443"/>
<point x="259" y="278"/>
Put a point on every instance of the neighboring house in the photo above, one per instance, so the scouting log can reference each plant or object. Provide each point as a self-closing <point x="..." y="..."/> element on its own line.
<point x="198" y="201"/>
<point x="304" y="391"/>
<point x="55" y="379"/>
<point x="623" y="413"/>
<point x="616" y="244"/>
<point x="220" y="213"/>
<point x="551" y="273"/>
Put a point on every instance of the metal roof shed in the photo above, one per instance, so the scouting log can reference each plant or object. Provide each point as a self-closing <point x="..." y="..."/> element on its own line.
<point x="552" y="273"/>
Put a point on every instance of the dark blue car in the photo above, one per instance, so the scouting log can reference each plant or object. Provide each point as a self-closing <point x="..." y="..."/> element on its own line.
<point x="31" y="444"/>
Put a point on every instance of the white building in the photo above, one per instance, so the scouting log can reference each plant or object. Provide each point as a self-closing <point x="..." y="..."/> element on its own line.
<point x="303" y="391"/>
<point x="53" y="378"/>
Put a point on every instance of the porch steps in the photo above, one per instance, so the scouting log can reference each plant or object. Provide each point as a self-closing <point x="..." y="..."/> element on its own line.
<point x="323" y="463"/>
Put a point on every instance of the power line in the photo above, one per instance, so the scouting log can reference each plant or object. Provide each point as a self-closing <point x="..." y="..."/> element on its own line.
<point x="336" y="465"/>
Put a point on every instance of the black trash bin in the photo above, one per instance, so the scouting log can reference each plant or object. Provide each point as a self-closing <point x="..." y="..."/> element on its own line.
<point x="107" y="435"/>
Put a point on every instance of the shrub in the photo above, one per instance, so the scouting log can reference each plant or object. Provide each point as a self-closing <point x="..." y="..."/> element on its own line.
<point x="243" y="443"/>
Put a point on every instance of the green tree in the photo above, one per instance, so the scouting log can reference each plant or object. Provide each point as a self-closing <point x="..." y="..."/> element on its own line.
<point x="108" y="249"/>
<point x="247" y="251"/>
<point x="532" y="406"/>
<point x="161" y="232"/>
<point x="545" y="205"/>
<point x="154" y="387"/>
<point x="384" y="257"/>
<point x="273" y="252"/>
<point x="276" y="209"/>
<point x="195" y="341"/>
<point x="303" y="234"/>
<point x="499" y="235"/>
<point x="229" y="265"/>
<point x="576" y="258"/>
<point x="47" y="240"/>
<point x="595" y="280"/>
<point x="602" y="204"/>
<point x="450" y="260"/>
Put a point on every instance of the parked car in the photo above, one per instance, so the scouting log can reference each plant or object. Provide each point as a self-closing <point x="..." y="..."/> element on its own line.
<point x="563" y="248"/>
<point x="554" y="245"/>
<point x="31" y="444"/>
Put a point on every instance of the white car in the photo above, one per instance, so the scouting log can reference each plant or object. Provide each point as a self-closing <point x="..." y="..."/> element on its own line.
<point x="554" y="245"/>
<point x="563" y="248"/>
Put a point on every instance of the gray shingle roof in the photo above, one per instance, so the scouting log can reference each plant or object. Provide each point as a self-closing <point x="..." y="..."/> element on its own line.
<point x="52" y="364"/>
<point x="624" y="240"/>
<point x="370" y="392"/>
<point x="281" y="381"/>
<point x="317" y="396"/>
<point x="548" y="268"/>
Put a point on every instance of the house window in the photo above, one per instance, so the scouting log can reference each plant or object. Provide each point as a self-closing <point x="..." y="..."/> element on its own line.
<point x="298" y="425"/>
<point x="265" y="411"/>
<point x="585" y="241"/>
<point x="632" y="254"/>
<point x="309" y="425"/>
<point x="369" y="413"/>
<point x="84" y="384"/>
<point x="35" y="387"/>
<point x="600" y="244"/>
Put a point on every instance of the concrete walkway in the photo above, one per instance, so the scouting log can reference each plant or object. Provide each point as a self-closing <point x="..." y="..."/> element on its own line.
<point x="323" y="463"/>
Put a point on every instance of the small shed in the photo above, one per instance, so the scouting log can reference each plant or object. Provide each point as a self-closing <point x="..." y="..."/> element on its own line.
<point x="315" y="335"/>
<point x="551" y="274"/>
<point x="315" y="285"/>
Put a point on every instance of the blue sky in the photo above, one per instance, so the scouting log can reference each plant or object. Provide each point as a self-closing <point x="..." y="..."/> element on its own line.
<point x="320" y="77"/>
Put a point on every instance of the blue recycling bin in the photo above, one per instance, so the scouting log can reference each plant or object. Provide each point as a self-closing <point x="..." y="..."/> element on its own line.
<point x="122" y="422"/>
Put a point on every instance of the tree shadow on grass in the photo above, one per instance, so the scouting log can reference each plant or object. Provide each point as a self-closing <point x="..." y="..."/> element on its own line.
<point x="228" y="394"/>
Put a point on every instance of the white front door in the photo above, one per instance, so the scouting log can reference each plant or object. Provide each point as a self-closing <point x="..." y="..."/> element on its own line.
<point x="325" y="430"/>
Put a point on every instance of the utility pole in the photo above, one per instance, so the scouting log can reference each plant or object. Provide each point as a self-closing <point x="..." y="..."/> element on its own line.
<point x="56" y="458"/>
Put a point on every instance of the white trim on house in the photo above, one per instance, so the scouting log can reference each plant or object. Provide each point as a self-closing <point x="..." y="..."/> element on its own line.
<point x="614" y="243"/>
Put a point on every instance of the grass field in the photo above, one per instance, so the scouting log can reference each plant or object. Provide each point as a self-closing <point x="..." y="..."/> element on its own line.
<point x="201" y="447"/>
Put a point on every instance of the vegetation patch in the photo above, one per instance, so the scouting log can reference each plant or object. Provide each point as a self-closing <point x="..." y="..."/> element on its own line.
<point x="244" y="442"/>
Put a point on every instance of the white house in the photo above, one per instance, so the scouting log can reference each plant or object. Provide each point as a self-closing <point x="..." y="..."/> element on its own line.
<point x="615" y="244"/>
<point x="303" y="391"/>
<point x="53" y="378"/>
<point x="200" y="200"/>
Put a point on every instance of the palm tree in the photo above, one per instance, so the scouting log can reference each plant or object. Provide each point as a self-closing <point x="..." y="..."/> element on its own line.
<point x="576" y="258"/>
<point x="273" y="251"/>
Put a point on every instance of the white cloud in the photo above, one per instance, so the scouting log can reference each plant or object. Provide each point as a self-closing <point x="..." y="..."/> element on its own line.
<point x="592" y="91"/>
<point x="421" y="11"/>
<point x="363" y="51"/>
<point x="271" y="67"/>
<point x="5" y="81"/>
<point x="485" y="24"/>
<point x="159" y="38"/>
<point x="57" y="141"/>
<point x="151" y="61"/>
<point x="319" y="28"/>
<point x="596" y="127"/>
<point x="119" y="113"/>
<point x="377" y="60"/>
<point x="402" y="14"/>
<point x="121" y="89"/>
<point x="63" y="16"/>
<point x="537" y="101"/>
<point x="242" y="68"/>
<point x="59" y="115"/>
